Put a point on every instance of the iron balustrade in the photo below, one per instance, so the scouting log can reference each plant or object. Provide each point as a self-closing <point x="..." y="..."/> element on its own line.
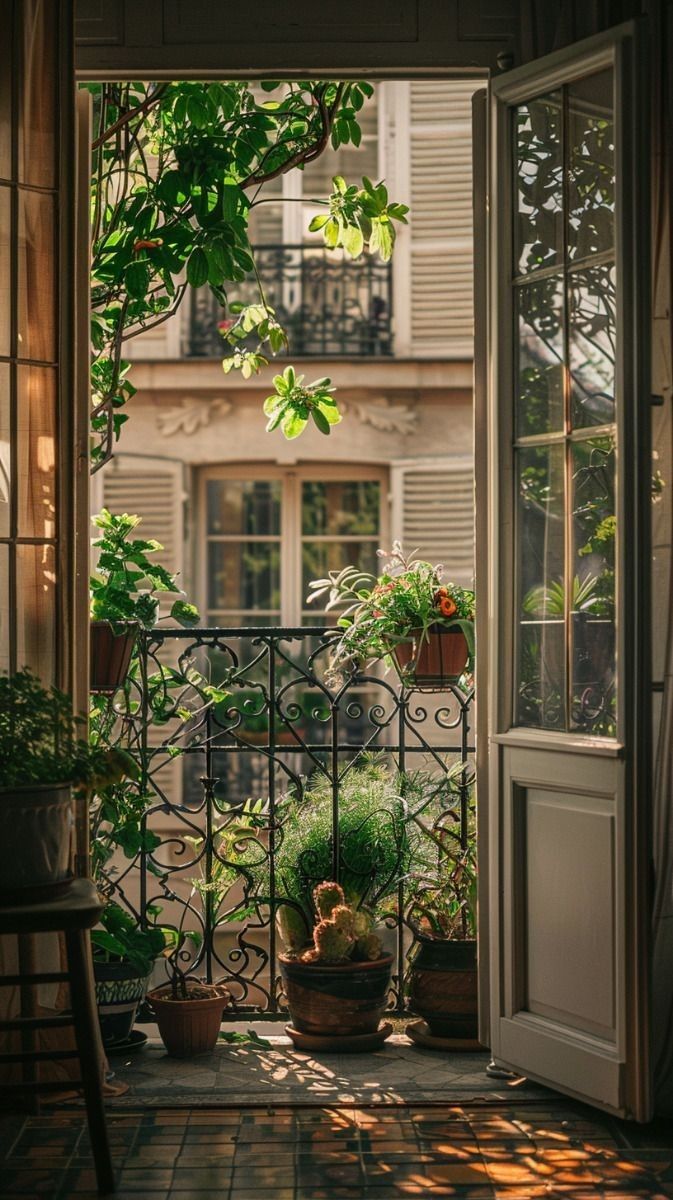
<point x="280" y="723"/>
<point x="330" y="306"/>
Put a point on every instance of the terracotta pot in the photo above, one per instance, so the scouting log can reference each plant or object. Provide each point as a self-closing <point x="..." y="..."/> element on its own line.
<point x="35" y="834"/>
<point x="435" y="661"/>
<point x="188" y="1027"/>
<point x="119" y="990"/>
<point x="340" y="1000"/>
<point x="443" y="987"/>
<point x="111" y="647"/>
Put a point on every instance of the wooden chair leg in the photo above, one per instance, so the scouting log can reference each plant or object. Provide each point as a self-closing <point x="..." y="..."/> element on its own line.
<point x="88" y="1045"/>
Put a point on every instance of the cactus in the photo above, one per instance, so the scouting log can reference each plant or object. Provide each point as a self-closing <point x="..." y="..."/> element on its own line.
<point x="368" y="948"/>
<point x="344" y="919"/>
<point x="332" y="944"/>
<point x="293" y="929"/>
<point x="326" y="897"/>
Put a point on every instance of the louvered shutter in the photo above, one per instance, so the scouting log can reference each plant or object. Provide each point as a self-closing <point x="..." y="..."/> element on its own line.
<point x="440" y="166"/>
<point x="433" y="511"/>
<point x="152" y="488"/>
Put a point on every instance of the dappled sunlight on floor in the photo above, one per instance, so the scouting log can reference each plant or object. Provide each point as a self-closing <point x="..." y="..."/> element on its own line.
<point x="516" y="1151"/>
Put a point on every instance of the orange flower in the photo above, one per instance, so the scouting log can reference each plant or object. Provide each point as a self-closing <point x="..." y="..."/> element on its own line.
<point x="147" y="244"/>
<point x="445" y="604"/>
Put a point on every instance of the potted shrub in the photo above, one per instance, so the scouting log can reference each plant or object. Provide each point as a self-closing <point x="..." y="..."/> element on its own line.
<point x="408" y="615"/>
<point x="188" y="1010"/>
<point x="333" y="994"/>
<point x="124" y="955"/>
<point x="124" y="593"/>
<point x="442" y="897"/>
<point x="42" y="757"/>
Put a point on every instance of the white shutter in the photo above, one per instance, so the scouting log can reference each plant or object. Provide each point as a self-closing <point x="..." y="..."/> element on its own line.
<point x="433" y="511"/>
<point x="153" y="489"/>
<point x="440" y="191"/>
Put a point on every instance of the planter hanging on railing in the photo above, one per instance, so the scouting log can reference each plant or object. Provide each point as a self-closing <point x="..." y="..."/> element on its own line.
<point x="111" y="647"/>
<point x="434" y="660"/>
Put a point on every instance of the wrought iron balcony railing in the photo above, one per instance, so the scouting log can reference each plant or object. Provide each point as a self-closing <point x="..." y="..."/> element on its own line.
<point x="331" y="306"/>
<point x="279" y="724"/>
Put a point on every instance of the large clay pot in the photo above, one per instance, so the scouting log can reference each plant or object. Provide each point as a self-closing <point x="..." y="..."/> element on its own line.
<point x="35" y="834"/>
<point x="443" y="987"/>
<point x="342" y="1000"/>
<point x="432" y="662"/>
<point x="111" y="647"/>
<point x="189" y="1027"/>
<point x="119" y="990"/>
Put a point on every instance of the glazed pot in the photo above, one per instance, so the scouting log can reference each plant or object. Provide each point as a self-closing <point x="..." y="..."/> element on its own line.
<point x="434" y="661"/>
<point x="189" y="1027"/>
<point x="111" y="647"/>
<point x="338" y="1000"/>
<point x="443" y="987"/>
<point x="35" y="834"/>
<point x="119" y="990"/>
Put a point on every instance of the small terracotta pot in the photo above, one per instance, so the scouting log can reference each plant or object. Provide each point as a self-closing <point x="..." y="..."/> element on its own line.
<point x="435" y="661"/>
<point x="111" y="647"/>
<point x="443" y="987"/>
<point x="189" y="1027"/>
<point x="339" y="1000"/>
<point x="36" y="824"/>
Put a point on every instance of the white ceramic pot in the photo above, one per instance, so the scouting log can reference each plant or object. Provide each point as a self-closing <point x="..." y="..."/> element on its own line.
<point x="36" y="824"/>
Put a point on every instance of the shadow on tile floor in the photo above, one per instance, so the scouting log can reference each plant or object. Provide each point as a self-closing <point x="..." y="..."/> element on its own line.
<point x="515" y="1151"/>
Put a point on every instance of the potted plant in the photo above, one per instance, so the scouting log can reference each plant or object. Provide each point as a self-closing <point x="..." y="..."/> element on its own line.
<point x="336" y="986"/>
<point x="124" y="955"/>
<point x="407" y="615"/>
<point x="42" y="757"/>
<point x="441" y="898"/>
<point x="124" y="593"/>
<point x="188" y="1010"/>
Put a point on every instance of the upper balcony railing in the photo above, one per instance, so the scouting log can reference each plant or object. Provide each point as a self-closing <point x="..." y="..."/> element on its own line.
<point x="330" y="306"/>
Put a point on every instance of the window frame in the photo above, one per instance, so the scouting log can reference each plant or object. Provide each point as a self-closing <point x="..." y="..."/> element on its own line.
<point x="292" y="605"/>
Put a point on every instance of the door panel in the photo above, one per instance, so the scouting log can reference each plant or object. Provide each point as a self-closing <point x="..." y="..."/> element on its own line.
<point x="568" y="664"/>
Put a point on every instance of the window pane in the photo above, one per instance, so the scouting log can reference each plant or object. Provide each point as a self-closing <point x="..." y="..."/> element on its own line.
<point x="35" y="609"/>
<point x="5" y="90"/>
<point x="539" y="179"/>
<point x="541" y="686"/>
<point x="38" y="144"/>
<point x="593" y="589"/>
<point x="5" y="278"/>
<point x="36" y="452"/>
<point x="265" y="227"/>
<point x="5" y="636"/>
<point x="37" y="293"/>
<point x="243" y="575"/>
<point x="591" y="166"/>
<point x="340" y="507"/>
<point x="5" y="452"/>
<point x="320" y="557"/>
<point x="592" y="326"/>
<point x="242" y="506"/>
<point x="540" y="374"/>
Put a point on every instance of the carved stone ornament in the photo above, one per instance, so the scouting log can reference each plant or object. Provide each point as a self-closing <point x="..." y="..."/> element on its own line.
<point x="383" y="416"/>
<point x="191" y="415"/>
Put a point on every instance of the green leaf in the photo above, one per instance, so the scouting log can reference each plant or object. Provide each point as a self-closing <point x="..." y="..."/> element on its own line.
<point x="318" y="222"/>
<point x="197" y="267"/>
<point x="321" y="421"/>
<point x="185" y="614"/>
<point x="293" y="424"/>
<point x="353" y="241"/>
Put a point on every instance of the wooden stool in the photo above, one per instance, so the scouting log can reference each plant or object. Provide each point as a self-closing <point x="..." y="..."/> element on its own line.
<point x="73" y="912"/>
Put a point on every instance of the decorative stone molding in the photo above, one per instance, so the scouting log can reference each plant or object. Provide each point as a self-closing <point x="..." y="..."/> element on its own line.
<point x="383" y="416"/>
<point x="191" y="415"/>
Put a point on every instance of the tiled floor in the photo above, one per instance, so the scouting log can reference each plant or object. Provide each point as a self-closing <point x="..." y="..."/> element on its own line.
<point x="517" y="1151"/>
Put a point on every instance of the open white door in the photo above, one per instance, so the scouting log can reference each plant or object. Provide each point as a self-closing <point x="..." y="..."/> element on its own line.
<point x="569" y="669"/>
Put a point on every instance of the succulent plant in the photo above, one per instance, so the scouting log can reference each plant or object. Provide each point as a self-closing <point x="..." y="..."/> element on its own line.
<point x="332" y="944"/>
<point x="342" y="932"/>
<point x="326" y="897"/>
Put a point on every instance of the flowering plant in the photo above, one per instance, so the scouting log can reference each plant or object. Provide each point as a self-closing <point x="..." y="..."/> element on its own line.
<point x="402" y="605"/>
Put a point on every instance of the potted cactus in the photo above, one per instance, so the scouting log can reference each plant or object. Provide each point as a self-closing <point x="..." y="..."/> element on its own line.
<point x="337" y="987"/>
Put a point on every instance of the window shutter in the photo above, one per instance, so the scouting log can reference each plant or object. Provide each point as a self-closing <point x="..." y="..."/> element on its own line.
<point x="433" y="512"/>
<point x="440" y="166"/>
<point x="153" y="489"/>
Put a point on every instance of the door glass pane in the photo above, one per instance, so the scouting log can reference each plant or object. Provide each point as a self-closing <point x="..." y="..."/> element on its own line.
<point x="5" y="636"/>
<point x="38" y="110"/>
<point x="348" y="507"/>
<point x="540" y="403"/>
<point x="591" y="166"/>
<point x="37" y="292"/>
<point x="35" y="609"/>
<point x="5" y="278"/>
<point x="5" y="89"/>
<point x="244" y="575"/>
<point x="592" y="328"/>
<point x="241" y="506"/>
<point x="320" y="557"/>
<point x="541" y="556"/>
<point x="539" y="184"/>
<point x="593" y="586"/>
<point x="36" y="452"/>
<point x="5" y="452"/>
